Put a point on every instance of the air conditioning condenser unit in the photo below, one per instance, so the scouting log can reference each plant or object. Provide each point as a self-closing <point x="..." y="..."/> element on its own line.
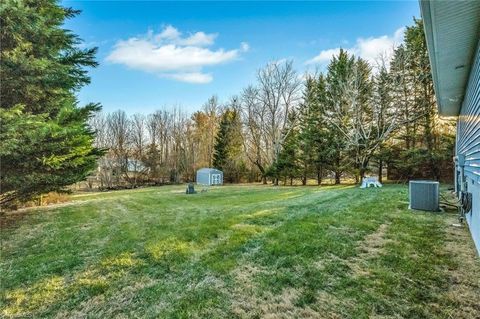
<point x="424" y="195"/>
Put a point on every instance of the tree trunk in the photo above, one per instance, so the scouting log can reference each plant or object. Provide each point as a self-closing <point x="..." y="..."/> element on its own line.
<point x="319" y="176"/>
<point x="337" y="178"/>
<point x="361" y="175"/>
<point x="304" y="177"/>
<point x="380" y="171"/>
<point x="363" y="169"/>
<point x="262" y="171"/>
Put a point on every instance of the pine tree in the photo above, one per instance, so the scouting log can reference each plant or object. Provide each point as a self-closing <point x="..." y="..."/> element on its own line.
<point x="363" y="141"/>
<point x="339" y="73"/>
<point x="229" y="145"/>
<point x="287" y="164"/>
<point x="320" y="130"/>
<point x="46" y="142"/>
<point x="425" y="142"/>
<point x="311" y="136"/>
<point x="383" y="99"/>
<point x="416" y="46"/>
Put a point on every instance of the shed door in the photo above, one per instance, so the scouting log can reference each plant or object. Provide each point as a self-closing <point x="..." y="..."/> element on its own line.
<point x="215" y="179"/>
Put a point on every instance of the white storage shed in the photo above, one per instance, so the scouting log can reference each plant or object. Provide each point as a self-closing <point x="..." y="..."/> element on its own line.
<point x="209" y="176"/>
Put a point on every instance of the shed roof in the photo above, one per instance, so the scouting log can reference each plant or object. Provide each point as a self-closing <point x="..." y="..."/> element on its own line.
<point x="209" y="170"/>
<point x="452" y="30"/>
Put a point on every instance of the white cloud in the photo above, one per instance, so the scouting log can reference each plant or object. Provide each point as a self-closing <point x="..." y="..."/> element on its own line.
<point x="170" y="55"/>
<point x="192" y="77"/>
<point x="199" y="39"/>
<point x="244" y="46"/>
<point x="370" y="49"/>
<point x="324" y="56"/>
<point x="172" y="35"/>
<point x="169" y="33"/>
<point x="144" y="55"/>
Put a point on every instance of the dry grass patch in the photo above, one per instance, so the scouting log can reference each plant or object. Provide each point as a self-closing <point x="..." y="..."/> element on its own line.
<point x="248" y="301"/>
<point x="271" y="306"/>
<point x="464" y="288"/>
<point x="370" y="248"/>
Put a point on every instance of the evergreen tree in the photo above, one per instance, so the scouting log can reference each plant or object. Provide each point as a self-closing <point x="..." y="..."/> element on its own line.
<point x="416" y="46"/>
<point x="228" y="146"/>
<point x="356" y="119"/>
<point x="287" y="165"/>
<point x="339" y="72"/>
<point x="364" y="134"/>
<point x="385" y="111"/>
<point x="307" y="128"/>
<point x="313" y="141"/>
<point x="46" y="142"/>
<point x="322" y="142"/>
<point x="425" y="142"/>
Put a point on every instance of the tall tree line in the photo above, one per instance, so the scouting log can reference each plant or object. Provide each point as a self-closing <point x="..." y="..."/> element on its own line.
<point x="354" y="119"/>
<point x="351" y="120"/>
<point x="424" y="145"/>
<point x="168" y="146"/>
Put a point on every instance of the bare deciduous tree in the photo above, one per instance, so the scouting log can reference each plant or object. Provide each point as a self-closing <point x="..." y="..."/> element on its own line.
<point x="368" y="118"/>
<point x="267" y="108"/>
<point x="253" y="113"/>
<point x="138" y="141"/>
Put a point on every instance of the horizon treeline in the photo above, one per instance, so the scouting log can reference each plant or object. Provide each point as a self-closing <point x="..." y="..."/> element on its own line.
<point x="352" y="120"/>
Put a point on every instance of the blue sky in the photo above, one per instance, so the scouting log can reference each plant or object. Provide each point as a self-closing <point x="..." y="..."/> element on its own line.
<point x="158" y="54"/>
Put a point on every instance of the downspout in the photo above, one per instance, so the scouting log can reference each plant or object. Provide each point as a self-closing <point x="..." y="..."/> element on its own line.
<point x="460" y="167"/>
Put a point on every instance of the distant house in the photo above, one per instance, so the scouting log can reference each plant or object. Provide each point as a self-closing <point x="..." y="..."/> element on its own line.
<point x="209" y="176"/>
<point x="452" y="30"/>
<point x="135" y="166"/>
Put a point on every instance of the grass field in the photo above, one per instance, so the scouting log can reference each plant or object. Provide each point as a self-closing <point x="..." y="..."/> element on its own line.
<point x="238" y="251"/>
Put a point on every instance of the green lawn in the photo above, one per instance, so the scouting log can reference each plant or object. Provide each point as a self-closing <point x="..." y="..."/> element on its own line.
<point x="238" y="251"/>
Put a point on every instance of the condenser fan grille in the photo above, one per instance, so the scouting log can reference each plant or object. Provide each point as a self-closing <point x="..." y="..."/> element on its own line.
<point x="424" y="195"/>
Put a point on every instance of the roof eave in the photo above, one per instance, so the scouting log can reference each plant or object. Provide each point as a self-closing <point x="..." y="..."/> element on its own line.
<point x="452" y="32"/>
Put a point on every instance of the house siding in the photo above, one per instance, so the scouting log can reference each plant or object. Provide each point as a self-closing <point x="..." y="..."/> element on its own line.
<point x="468" y="146"/>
